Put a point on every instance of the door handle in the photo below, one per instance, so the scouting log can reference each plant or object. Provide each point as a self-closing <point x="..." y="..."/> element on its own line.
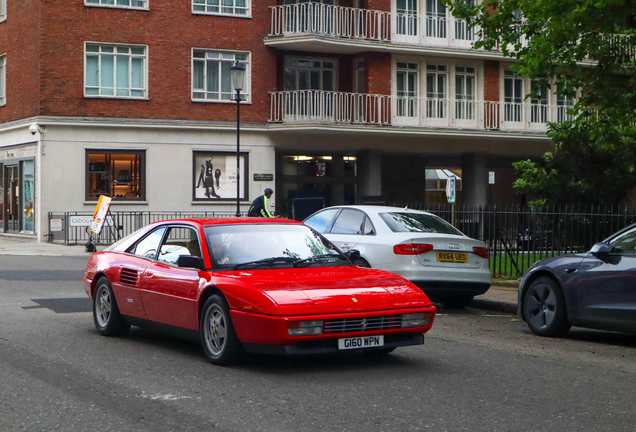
<point x="570" y="270"/>
<point x="148" y="274"/>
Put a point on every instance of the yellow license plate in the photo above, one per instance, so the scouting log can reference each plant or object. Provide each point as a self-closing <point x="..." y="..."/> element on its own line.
<point x="452" y="257"/>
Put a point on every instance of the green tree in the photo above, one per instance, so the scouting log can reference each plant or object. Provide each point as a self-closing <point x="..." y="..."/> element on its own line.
<point x="586" y="48"/>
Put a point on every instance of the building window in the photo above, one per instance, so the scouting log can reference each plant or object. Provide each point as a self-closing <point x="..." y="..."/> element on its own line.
<point x="3" y="80"/>
<point x="119" y="174"/>
<point x="408" y="77"/>
<point x="212" y="75"/>
<point x="465" y="90"/>
<point x="115" y="71"/>
<point x="513" y="96"/>
<point x="3" y="10"/>
<point x="436" y="90"/>
<point x="240" y="8"/>
<point x="310" y="74"/>
<point x="130" y="4"/>
<point x="435" y="18"/>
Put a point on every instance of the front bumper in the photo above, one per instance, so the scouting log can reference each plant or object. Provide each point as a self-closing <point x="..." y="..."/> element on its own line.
<point x="451" y="288"/>
<point x="330" y="346"/>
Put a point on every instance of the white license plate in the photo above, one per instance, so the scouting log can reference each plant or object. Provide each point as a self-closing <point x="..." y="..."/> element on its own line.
<point x="360" y="342"/>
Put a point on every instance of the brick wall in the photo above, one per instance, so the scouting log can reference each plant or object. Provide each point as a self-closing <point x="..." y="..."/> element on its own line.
<point x="491" y="80"/>
<point x="19" y="40"/>
<point x="378" y="70"/>
<point x="170" y="30"/>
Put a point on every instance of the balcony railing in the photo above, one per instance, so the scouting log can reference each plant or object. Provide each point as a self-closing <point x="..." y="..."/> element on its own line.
<point x="323" y="107"/>
<point x="369" y="25"/>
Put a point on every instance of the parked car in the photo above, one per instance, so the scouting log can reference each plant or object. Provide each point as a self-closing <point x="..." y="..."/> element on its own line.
<point x="596" y="289"/>
<point x="252" y="284"/>
<point x="417" y="245"/>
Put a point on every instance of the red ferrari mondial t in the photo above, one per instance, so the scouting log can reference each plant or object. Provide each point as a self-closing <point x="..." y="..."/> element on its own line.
<point x="252" y="284"/>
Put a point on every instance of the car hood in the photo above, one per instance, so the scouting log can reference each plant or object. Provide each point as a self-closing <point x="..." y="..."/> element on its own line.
<point x="319" y="290"/>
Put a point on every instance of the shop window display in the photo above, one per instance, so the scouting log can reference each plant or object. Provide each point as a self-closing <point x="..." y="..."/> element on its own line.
<point x="119" y="175"/>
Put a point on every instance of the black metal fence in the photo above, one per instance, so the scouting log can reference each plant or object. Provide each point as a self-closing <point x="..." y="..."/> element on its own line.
<point x="517" y="236"/>
<point x="71" y="228"/>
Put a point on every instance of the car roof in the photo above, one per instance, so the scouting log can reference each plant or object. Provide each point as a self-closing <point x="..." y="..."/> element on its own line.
<point x="228" y="221"/>
<point x="381" y="209"/>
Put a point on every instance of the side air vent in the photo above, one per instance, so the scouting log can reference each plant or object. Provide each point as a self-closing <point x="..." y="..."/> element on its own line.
<point x="129" y="276"/>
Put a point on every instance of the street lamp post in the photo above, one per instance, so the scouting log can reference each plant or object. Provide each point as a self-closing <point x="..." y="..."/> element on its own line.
<point x="238" y="80"/>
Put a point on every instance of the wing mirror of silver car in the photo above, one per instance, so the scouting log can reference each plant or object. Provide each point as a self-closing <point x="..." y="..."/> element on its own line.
<point x="600" y="249"/>
<point x="352" y="254"/>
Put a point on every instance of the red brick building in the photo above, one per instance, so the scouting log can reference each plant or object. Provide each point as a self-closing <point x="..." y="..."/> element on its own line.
<point x="345" y="102"/>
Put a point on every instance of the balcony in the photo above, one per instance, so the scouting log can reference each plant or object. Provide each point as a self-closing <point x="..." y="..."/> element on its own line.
<point x="314" y="107"/>
<point x="329" y="28"/>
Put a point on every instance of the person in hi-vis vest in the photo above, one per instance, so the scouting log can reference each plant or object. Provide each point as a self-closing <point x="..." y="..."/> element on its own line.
<point x="259" y="205"/>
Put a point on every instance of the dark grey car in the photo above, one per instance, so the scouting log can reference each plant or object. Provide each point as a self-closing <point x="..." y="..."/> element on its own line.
<point x="596" y="289"/>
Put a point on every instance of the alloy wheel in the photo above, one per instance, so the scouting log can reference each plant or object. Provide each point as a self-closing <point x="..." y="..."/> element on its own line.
<point x="541" y="306"/>
<point x="215" y="329"/>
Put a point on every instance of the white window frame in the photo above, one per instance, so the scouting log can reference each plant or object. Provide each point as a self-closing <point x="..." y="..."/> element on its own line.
<point x="3" y="10"/>
<point x="206" y="11"/>
<point x="450" y="120"/>
<point x="246" y="93"/>
<point x="3" y="80"/>
<point x="131" y="55"/>
<point x="113" y="4"/>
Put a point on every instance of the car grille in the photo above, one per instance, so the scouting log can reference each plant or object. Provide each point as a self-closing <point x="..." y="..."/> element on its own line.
<point x="129" y="276"/>
<point x="347" y="325"/>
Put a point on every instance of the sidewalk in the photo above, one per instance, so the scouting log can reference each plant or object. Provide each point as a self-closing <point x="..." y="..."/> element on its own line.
<point x="497" y="299"/>
<point x="18" y="245"/>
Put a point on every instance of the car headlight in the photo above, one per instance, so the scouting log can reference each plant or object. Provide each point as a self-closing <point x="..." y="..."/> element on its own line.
<point x="420" y="319"/>
<point x="304" y="328"/>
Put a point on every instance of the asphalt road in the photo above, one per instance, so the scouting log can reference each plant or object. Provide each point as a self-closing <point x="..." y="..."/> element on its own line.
<point x="478" y="371"/>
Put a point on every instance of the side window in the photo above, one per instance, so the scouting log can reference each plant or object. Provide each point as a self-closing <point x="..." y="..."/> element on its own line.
<point x="625" y="244"/>
<point x="368" y="227"/>
<point x="349" y="222"/>
<point x="147" y="247"/>
<point x="320" y="221"/>
<point x="179" y="241"/>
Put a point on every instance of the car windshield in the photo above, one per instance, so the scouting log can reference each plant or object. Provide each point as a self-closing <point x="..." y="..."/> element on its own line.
<point x="418" y="222"/>
<point x="245" y="246"/>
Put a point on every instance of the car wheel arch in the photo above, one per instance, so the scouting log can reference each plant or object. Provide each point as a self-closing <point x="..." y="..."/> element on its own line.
<point x="96" y="279"/>
<point x="208" y="292"/>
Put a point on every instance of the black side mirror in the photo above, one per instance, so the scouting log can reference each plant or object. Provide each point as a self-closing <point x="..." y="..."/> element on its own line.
<point x="191" y="261"/>
<point x="600" y="249"/>
<point x="352" y="254"/>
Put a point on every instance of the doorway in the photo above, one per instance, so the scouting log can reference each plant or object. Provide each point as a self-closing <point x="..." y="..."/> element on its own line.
<point x="11" y="198"/>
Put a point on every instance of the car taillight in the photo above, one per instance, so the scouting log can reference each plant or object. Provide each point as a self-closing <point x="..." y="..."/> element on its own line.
<point x="412" y="248"/>
<point x="481" y="251"/>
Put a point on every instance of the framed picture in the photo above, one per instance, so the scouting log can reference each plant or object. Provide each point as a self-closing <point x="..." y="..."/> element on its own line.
<point x="214" y="176"/>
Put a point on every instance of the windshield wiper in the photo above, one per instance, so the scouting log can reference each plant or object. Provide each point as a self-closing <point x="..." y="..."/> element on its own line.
<point x="266" y="261"/>
<point x="316" y="258"/>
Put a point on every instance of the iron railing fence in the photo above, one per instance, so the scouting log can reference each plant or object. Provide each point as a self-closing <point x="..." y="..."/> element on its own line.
<point x="517" y="236"/>
<point x="71" y="228"/>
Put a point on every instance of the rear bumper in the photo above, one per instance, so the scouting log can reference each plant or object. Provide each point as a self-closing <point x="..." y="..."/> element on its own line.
<point x="330" y="346"/>
<point x="450" y="289"/>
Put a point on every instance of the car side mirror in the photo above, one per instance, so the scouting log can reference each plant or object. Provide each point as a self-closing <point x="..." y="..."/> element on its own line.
<point x="191" y="261"/>
<point x="600" y="249"/>
<point x="352" y="254"/>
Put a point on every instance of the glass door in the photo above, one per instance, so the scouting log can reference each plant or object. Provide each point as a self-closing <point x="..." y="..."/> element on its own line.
<point x="12" y="199"/>
<point x="406" y="21"/>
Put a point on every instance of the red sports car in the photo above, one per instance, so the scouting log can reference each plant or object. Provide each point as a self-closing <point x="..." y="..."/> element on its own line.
<point x="252" y="284"/>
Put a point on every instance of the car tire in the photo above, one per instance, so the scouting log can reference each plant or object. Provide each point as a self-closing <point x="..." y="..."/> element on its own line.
<point x="544" y="308"/>
<point x="106" y="316"/>
<point x="220" y="343"/>
<point x="457" y="302"/>
<point x="361" y="262"/>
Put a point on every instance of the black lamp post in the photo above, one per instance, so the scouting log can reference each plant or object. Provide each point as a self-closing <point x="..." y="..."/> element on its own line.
<point x="238" y="81"/>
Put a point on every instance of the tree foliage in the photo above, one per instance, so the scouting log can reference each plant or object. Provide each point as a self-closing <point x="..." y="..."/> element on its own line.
<point x="577" y="48"/>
